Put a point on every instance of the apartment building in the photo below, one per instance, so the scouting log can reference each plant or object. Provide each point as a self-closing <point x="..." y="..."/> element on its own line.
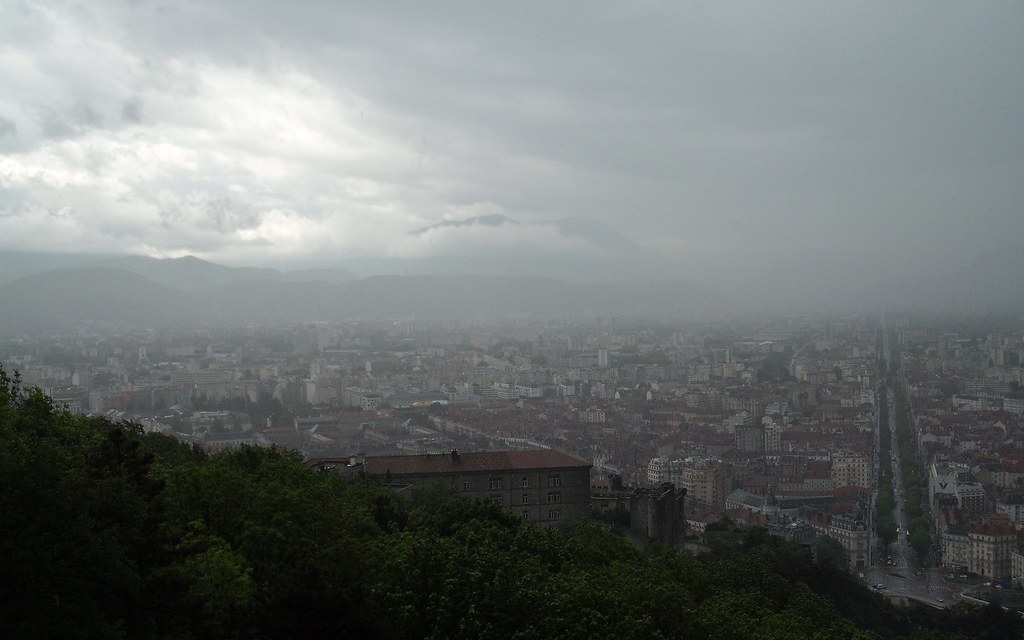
<point x="704" y="481"/>
<point x="543" y="486"/>
<point x="851" y="470"/>
<point x="992" y="542"/>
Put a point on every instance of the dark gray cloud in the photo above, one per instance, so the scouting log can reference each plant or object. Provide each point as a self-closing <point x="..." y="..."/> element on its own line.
<point x="131" y="111"/>
<point x="724" y="138"/>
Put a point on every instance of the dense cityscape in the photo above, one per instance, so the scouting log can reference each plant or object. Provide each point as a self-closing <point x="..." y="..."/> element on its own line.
<point x="467" y="320"/>
<point x="776" y="423"/>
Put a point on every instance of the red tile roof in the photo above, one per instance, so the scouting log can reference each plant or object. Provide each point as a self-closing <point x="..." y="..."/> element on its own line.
<point x="992" y="529"/>
<point x="446" y="463"/>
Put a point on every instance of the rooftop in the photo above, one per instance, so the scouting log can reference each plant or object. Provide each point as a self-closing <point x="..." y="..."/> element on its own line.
<point x="447" y="463"/>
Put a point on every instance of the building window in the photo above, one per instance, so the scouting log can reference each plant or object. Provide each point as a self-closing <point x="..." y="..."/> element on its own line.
<point x="495" y="483"/>
<point x="554" y="497"/>
<point x="465" y="486"/>
<point x="495" y="499"/>
<point x="554" y="481"/>
<point x="526" y="482"/>
<point x="526" y="498"/>
<point x="526" y="515"/>
<point x="554" y="515"/>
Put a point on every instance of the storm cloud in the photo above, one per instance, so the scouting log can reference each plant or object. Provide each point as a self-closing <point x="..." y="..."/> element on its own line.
<point x="707" y="141"/>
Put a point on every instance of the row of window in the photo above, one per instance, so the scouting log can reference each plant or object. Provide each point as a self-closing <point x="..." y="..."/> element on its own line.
<point x="552" y="515"/>
<point x="554" y="480"/>
<point x="554" y="497"/>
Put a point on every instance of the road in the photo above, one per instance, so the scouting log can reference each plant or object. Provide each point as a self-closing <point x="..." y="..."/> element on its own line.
<point x="896" y="569"/>
<point x="928" y="585"/>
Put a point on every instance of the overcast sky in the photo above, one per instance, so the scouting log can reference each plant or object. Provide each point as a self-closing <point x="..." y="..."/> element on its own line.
<point x="712" y="136"/>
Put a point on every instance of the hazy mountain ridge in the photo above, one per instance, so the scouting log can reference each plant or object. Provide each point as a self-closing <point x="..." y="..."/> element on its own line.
<point x="188" y="272"/>
<point x="88" y="297"/>
<point x="15" y="265"/>
<point x="69" y="299"/>
<point x="79" y="291"/>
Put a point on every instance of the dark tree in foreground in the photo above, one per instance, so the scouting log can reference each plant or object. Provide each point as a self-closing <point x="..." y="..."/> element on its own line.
<point x="108" y="532"/>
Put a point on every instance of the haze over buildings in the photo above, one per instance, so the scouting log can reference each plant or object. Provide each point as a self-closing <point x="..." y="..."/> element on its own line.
<point x="787" y="155"/>
<point x="694" y="273"/>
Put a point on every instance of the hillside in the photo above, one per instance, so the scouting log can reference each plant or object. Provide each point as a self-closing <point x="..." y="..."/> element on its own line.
<point x="88" y="298"/>
<point x="112" y="533"/>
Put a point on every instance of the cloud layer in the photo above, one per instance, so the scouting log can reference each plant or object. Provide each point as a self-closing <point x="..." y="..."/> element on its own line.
<point x="719" y="138"/>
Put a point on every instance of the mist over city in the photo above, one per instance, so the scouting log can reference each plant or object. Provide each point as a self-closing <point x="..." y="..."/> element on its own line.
<point x="494" y="320"/>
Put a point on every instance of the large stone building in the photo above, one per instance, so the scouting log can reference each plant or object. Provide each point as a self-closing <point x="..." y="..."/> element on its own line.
<point x="1017" y="566"/>
<point x="971" y="497"/>
<point x="992" y="542"/>
<point x="851" y="470"/>
<point x="750" y="437"/>
<point x="207" y="382"/>
<point x="956" y="548"/>
<point x="659" y="514"/>
<point x="1012" y="507"/>
<point x="851" y="532"/>
<point x="704" y="481"/>
<point x="657" y="470"/>
<point x="542" y="486"/>
<point x="772" y="435"/>
<point x="849" y="529"/>
<point x="943" y="477"/>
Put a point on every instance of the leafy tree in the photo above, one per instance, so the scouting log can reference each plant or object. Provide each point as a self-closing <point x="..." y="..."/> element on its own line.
<point x="214" y="580"/>
<point x="774" y="368"/>
<point x="886" y="528"/>
<point x="829" y="551"/>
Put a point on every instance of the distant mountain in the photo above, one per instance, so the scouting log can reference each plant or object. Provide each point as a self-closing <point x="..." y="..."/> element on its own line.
<point x="335" y="276"/>
<point x="190" y="272"/>
<point x="15" y="265"/>
<point x="187" y="272"/>
<point x="98" y="297"/>
<point x="56" y="292"/>
<point x="88" y="297"/>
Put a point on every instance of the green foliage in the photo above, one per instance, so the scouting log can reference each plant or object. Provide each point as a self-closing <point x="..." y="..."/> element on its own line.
<point x="774" y="368"/>
<point x="617" y="517"/>
<point x="214" y="580"/>
<point x="830" y="551"/>
<point x="886" y="528"/>
<point x="921" y="542"/>
<point x="108" y="532"/>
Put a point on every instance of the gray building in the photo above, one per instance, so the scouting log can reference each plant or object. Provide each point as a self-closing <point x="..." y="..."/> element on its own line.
<point x="542" y="485"/>
<point x="659" y="514"/>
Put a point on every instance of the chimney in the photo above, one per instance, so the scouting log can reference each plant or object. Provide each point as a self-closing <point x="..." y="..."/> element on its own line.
<point x="455" y="456"/>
